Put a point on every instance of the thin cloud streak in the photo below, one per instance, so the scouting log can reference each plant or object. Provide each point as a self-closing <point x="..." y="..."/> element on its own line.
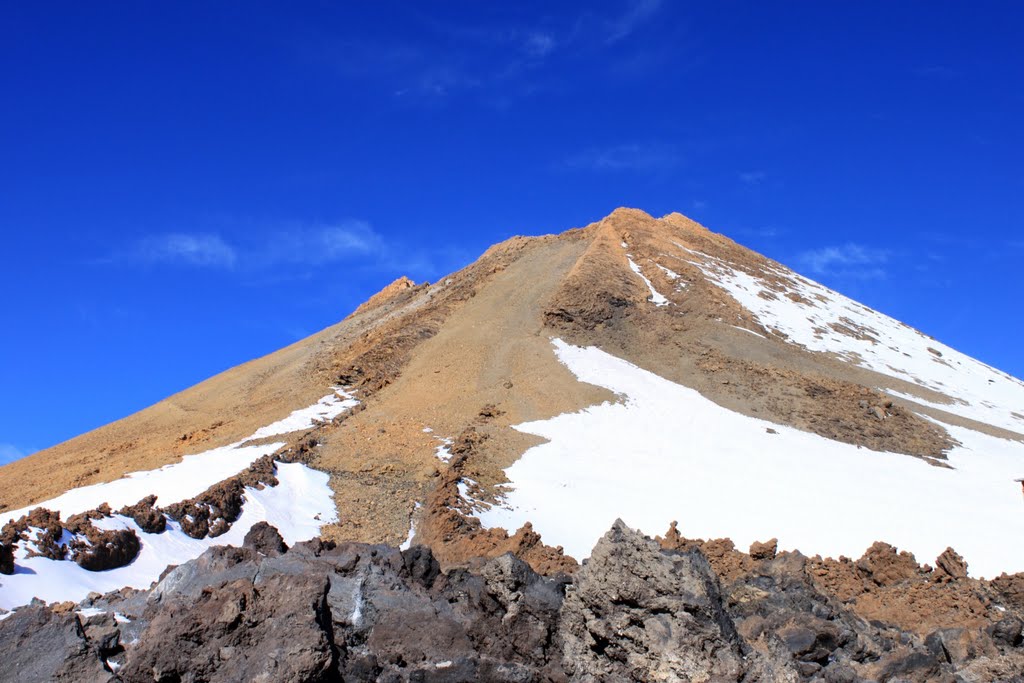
<point x="846" y="260"/>
<point x="203" y="250"/>
<point x="291" y="252"/>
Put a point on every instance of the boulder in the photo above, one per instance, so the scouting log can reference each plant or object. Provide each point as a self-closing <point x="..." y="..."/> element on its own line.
<point x="265" y="539"/>
<point x="635" y="609"/>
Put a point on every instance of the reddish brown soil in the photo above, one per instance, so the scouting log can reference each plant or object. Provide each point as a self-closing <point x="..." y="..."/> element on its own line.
<point x="885" y="585"/>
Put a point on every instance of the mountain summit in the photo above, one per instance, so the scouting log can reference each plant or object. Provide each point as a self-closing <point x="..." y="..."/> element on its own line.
<point x="637" y="368"/>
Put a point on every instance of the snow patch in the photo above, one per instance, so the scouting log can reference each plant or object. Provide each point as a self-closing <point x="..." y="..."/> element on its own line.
<point x="194" y="474"/>
<point x="656" y="297"/>
<point x="297" y="506"/>
<point x="324" y="410"/>
<point x="744" y="329"/>
<point x="170" y="484"/>
<point x="407" y="543"/>
<point x="819" y="319"/>
<point x="664" y="452"/>
<point x="442" y="451"/>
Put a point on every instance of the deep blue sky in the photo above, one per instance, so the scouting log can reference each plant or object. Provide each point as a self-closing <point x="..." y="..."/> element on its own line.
<point x="185" y="186"/>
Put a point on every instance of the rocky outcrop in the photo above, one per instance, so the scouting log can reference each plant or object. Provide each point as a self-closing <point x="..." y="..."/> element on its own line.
<point x="393" y="290"/>
<point x="213" y="511"/>
<point x="99" y="551"/>
<point x="634" y="611"/>
<point x="6" y="558"/>
<point x="146" y="515"/>
<point x="40" y="644"/>
<point x="43" y="534"/>
<point x="265" y="539"/>
<point x="952" y="564"/>
<point x="41" y="528"/>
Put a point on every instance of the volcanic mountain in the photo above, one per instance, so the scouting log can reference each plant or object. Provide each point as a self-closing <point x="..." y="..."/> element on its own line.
<point x="643" y="369"/>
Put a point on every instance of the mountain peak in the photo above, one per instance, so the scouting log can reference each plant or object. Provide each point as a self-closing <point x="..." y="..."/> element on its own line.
<point x="563" y="381"/>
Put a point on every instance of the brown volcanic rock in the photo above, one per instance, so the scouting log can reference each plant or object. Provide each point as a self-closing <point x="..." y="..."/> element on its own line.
<point x="885" y="566"/>
<point x="213" y="511"/>
<point x="394" y="289"/>
<point x="952" y="564"/>
<point x="455" y="536"/>
<point x="265" y="539"/>
<point x="47" y="540"/>
<point x="146" y="515"/>
<point x="105" y="550"/>
<point x="6" y="559"/>
<point x="1010" y="588"/>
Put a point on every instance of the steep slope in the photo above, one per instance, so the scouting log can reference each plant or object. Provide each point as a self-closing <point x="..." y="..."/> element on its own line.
<point x="640" y="368"/>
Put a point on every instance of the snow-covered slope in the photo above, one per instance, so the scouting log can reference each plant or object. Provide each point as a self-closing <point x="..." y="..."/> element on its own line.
<point x="298" y="506"/>
<point x="666" y="453"/>
<point x="819" y="319"/>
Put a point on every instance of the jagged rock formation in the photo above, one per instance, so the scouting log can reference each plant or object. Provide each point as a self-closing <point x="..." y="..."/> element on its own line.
<point x="634" y="611"/>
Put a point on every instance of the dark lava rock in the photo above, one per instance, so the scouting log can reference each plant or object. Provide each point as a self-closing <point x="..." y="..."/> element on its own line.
<point x="105" y="550"/>
<point x="38" y="644"/>
<point x="633" y="612"/>
<point x="6" y="559"/>
<point x="265" y="539"/>
<point x="145" y="514"/>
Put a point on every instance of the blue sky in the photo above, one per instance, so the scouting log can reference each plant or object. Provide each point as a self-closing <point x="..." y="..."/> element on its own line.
<point x="185" y="186"/>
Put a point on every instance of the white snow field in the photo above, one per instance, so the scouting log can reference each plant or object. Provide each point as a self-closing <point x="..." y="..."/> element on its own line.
<point x="298" y="506"/>
<point x="818" y="318"/>
<point x="663" y="452"/>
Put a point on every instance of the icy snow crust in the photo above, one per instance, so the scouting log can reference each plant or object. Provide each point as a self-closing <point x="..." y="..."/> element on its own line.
<point x="664" y="452"/>
<point x="882" y="344"/>
<point x="297" y="506"/>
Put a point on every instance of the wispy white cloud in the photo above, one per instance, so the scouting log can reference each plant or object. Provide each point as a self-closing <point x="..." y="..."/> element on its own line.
<point x="637" y="14"/>
<point x="9" y="453"/>
<point x="846" y="260"/>
<point x="191" y="249"/>
<point x="625" y="157"/>
<point x="290" y="252"/>
<point x="321" y="244"/>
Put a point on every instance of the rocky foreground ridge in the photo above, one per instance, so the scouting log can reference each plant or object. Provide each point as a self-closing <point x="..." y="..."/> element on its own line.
<point x="639" y="609"/>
